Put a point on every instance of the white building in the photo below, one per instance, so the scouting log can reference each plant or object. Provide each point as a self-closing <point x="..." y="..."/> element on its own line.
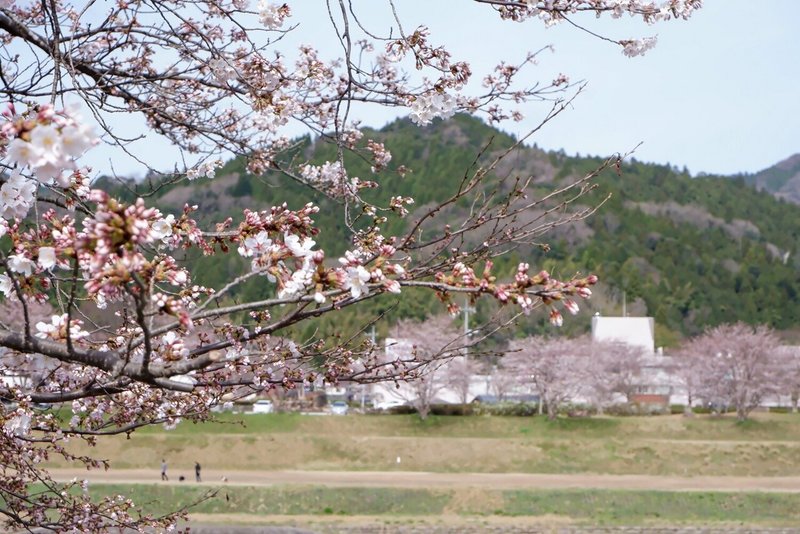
<point x="634" y="331"/>
<point x="442" y="390"/>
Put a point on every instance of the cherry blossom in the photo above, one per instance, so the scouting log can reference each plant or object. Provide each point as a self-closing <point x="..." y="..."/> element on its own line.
<point x="47" y="143"/>
<point x="638" y="47"/>
<point x="161" y="229"/>
<point x="17" y="195"/>
<point x="18" y="426"/>
<point x="258" y="244"/>
<point x="272" y="15"/>
<point x="356" y="281"/>
<point x="19" y="263"/>
<point x="57" y="328"/>
<point x="425" y="108"/>
<point x="300" y="248"/>
<point x="47" y="257"/>
<point x="205" y="170"/>
<point x="223" y="70"/>
<point x="23" y="152"/>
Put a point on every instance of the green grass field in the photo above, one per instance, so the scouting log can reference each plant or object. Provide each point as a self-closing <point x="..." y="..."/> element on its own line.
<point x="762" y="427"/>
<point x="769" y="445"/>
<point x="668" y="445"/>
<point x="770" y="427"/>
<point x="589" y="507"/>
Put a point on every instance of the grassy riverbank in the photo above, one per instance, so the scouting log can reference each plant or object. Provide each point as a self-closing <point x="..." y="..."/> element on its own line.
<point x="668" y="445"/>
<point x="594" y="507"/>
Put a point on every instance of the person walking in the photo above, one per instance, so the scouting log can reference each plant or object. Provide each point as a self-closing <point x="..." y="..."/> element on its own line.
<point x="164" y="470"/>
<point x="197" y="471"/>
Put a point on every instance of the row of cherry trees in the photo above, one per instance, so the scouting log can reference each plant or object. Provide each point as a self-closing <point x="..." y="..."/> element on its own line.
<point x="561" y="370"/>
<point x="736" y="367"/>
<point x="730" y="367"/>
<point x="557" y="369"/>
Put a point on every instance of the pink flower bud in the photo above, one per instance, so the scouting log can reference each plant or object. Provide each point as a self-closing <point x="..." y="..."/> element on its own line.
<point x="571" y="306"/>
<point x="555" y="318"/>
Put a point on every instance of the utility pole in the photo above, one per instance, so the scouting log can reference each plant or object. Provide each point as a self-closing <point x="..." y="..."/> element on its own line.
<point x="372" y="338"/>
<point x="466" y="310"/>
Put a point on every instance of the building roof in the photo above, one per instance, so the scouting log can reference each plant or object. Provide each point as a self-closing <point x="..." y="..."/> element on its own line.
<point x="635" y="331"/>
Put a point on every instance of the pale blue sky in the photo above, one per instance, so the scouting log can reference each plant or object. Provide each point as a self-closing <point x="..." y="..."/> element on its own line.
<point x="720" y="93"/>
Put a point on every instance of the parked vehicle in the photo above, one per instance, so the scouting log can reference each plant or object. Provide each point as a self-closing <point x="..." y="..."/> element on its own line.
<point x="263" y="406"/>
<point x="339" y="408"/>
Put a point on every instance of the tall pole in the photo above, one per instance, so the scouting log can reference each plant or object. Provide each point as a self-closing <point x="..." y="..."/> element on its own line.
<point x="372" y="338"/>
<point x="466" y="310"/>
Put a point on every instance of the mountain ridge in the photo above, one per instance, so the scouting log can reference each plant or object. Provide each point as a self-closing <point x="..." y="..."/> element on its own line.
<point x="781" y="179"/>
<point x="691" y="251"/>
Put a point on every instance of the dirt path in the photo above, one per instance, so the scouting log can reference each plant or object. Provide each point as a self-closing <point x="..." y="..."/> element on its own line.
<point x="407" y="479"/>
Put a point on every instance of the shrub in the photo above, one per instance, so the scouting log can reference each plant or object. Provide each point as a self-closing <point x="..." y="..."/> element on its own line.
<point x="676" y="409"/>
<point x="516" y="409"/>
<point x="452" y="409"/>
<point x="578" y="410"/>
<point x="635" y="408"/>
<point x="400" y="410"/>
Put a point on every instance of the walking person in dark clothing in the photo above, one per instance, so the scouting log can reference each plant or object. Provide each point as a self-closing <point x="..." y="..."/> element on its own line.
<point x="164" y="470"/>
<point x="197" y="471"/>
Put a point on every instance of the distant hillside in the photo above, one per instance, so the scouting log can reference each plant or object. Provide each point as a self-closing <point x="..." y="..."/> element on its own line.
<point x="692" y="252"/>
<point x="782" y="179"/>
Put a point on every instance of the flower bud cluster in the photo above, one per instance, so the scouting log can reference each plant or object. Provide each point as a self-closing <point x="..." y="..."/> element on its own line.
<point x="527" y="291"/>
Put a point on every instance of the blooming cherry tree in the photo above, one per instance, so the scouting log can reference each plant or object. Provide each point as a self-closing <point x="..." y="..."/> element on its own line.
<point x="436" y="344"/>
<point x="214" y="79"/>
<point x="737" y="365"/>
<point x="557" y="369"/>
<point x="616" y="369"/>
<point x="460" y="374"/>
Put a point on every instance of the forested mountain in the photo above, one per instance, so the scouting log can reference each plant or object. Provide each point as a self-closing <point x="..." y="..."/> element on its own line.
<point x="782" y="179"/>
<point x="692" y="252"/>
